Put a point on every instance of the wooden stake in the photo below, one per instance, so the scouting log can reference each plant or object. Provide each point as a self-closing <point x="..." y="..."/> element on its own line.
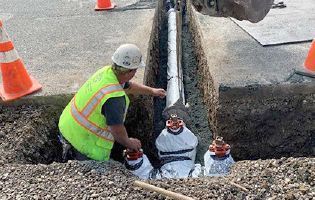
<point x="162" y="191"/>
<point x="239" y="186"/>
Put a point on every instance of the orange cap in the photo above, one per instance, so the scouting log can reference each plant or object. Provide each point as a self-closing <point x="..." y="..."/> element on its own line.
<point x="219" y="147"/>
<point x="133" y="155"/>
<point x="174" y="122"/>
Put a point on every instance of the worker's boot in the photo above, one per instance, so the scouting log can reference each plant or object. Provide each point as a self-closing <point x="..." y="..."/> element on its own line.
<point x="68" y="152"/>
<point x="66" y="149"/>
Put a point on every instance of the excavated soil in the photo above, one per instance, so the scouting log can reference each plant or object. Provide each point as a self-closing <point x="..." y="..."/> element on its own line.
<point x="287" y="178"/>
<point x="29" y="134"/>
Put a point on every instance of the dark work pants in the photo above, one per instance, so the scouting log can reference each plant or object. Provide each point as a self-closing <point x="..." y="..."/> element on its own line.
<point x="69" y="152"/>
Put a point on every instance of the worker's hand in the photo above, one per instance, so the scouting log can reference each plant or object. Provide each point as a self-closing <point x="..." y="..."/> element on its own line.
<point x="158" y="92"/>
<point x="134" y="144"/>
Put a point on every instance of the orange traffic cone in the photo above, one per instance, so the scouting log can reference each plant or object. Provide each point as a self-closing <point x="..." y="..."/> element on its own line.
<point x="309" y="63"/>
<point x="104" y="5"/>
<point x="15" y="80"/>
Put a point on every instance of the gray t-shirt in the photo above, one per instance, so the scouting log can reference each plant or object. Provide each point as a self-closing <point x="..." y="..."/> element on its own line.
<point x="114" y="109"/>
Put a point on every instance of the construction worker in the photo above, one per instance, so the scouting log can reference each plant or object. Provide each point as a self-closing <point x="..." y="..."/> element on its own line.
<point x="95" y="116"/>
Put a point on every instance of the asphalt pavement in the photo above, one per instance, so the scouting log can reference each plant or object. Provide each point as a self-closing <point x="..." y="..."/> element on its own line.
<point x="235" y="59"/>
<point x="63" y="42"/>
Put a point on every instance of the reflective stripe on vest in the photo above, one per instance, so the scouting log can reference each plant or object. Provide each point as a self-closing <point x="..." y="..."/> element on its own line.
<point x="85" y="123"/>
<point x="93" y="102"/>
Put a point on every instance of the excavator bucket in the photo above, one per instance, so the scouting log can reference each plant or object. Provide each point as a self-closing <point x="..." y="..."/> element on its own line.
<point x="251" y="10"/>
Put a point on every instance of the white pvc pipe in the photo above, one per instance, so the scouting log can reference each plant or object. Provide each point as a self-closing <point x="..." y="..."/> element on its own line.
<point x="175" y="89"/>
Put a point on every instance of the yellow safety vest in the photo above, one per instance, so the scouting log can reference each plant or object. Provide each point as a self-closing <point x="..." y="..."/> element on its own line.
<point x="83" y="124"/>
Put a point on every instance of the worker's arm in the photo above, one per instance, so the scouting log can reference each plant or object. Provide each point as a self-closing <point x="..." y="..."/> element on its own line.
<point x="136" y="88"/>
<point x="120" y="134"/>
<point x="114" y="109"/>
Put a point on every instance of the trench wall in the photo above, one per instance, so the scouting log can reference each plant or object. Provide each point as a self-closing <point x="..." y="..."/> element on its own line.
<point x="206" y="83"/>
<point x="268" y="121"/>
<point x="260" y="121"/>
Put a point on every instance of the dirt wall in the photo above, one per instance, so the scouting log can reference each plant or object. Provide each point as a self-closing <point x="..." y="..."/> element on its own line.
<point x="28" y="134"/>
<point x="268" y="121"/>
<point x="206" y="82"/>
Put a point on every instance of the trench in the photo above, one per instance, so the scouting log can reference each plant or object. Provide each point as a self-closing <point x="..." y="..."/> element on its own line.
<point x="29" y="128"/>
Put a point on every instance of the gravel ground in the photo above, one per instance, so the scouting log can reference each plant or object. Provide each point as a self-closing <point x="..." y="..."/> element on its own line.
<point x="28" y="137"/>
<point x="287" y="178"/>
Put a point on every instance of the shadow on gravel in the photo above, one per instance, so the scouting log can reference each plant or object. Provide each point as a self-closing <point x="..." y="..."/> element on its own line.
<point x="28" y="134"/>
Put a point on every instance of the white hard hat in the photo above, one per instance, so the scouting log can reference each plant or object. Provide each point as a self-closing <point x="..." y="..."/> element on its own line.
<point x="128" y="56"/>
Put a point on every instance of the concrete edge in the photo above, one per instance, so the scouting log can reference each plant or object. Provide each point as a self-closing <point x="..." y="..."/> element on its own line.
<point x="57" y="100"/>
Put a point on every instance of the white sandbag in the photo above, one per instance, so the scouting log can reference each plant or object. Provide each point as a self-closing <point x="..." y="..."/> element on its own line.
<point x="140" y="167"/>
<point x="216" y="166"/>
<point x="197" y="171"/>
<point x="177" y="169"/>
<point x="178" y="152"/>
<point x="181" y="169"/>
<point x="183" y="144"/>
